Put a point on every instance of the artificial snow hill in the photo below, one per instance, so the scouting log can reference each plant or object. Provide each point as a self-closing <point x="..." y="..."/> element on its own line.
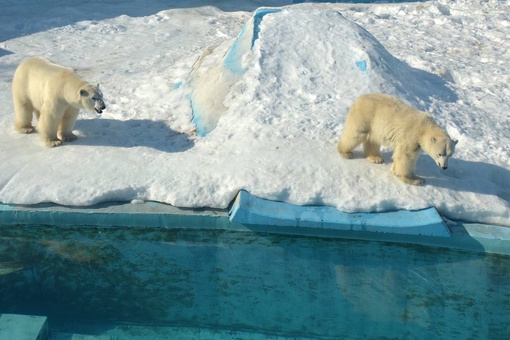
<point x="355" y="64"/>
<point x="260" y="110"/>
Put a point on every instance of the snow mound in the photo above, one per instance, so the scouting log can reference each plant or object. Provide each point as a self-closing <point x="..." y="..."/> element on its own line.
<point x="343" y="53"/>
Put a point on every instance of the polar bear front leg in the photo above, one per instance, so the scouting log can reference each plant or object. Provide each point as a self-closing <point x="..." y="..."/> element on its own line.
<point x="48" y="126"/>
<point x="404" y="163"/>
<point x="67" y="124"/>
<point x="372" y="152"/>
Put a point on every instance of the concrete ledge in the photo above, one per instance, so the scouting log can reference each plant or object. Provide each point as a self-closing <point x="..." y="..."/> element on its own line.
<point x="113" y="214"/>
<point x="249" y="209"/>
<point x="252" y="214"/>
<point x="26" y="327"/>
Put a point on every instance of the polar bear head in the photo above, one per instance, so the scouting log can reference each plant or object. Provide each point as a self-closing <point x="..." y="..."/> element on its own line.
<point x="92" y="98"/>
<point x="440" y="147"/>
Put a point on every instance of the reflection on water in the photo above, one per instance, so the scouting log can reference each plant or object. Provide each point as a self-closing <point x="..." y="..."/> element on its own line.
<point x="271" y="284"/>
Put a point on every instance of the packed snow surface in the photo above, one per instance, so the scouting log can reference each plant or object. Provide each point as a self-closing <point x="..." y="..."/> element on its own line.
<point x="280" y="120"/>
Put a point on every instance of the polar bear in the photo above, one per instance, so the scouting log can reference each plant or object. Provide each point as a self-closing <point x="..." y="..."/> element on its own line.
<point x="379" y="119"/>
<point x="55" y="94"/>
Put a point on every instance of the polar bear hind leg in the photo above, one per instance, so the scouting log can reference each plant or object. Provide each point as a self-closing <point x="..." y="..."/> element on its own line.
<point x="66" y="125"/>
<point x="350" y="139"/>
<point x="23" y="113"/>
<point x="404" y="163"/>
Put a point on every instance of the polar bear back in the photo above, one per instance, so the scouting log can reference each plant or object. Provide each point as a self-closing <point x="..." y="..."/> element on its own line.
<point x="38" y="79"/>
<point x="387" y="120"/>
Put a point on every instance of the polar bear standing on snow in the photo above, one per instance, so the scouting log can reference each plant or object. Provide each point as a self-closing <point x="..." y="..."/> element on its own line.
<point x="55" y="94"/>
<point x="379" y="119"/>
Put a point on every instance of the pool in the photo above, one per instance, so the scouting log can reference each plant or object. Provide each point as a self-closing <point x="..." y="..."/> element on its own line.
<point x="198" y="283"/>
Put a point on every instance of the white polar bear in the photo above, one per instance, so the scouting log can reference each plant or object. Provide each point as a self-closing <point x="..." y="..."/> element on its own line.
<point x="379" y="119"/>
<point x="55" y="94"/>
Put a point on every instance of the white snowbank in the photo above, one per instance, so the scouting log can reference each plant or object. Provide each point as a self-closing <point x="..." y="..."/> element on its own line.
<point x="277" y="136"/>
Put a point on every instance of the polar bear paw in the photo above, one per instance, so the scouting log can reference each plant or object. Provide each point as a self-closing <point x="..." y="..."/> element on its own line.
<point x="412" y="180"/>
<point x="53" y="143"/>
<point x="26" y="129"/>
<point x="69" y="137"/>
<point x="375" y="159"/>
<point x="347" y="155"/>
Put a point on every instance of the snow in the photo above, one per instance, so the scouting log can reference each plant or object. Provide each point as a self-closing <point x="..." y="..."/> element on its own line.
<point x="280" y="120"/>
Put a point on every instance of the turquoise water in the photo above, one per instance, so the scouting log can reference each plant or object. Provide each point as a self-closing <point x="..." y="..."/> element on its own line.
<point x="141" y="282"/>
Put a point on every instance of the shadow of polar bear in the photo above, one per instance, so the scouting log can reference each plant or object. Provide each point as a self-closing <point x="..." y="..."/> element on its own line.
<point x="132" y="133"/>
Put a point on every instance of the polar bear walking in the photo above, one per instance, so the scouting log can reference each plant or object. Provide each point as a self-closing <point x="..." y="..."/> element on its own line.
<point x="55" y="94"/>
<point x="379" y="119"/>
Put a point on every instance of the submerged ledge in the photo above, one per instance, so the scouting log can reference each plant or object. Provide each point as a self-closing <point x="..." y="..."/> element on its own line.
<point x="250" y="213"/>
<point x="14" y="326"/>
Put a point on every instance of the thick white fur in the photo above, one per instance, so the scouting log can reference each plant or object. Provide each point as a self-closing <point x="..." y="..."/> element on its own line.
<point x="55" y="94"/>
<point x="379" y="119"/>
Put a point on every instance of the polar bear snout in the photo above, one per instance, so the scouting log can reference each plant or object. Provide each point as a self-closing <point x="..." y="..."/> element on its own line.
<point x="442" y="162"/>
<point x="99" y="106"/>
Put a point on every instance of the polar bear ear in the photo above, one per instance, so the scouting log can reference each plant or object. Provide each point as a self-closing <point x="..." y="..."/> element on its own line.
<point x="97" y="85"/>
<point x="84" y="93"/>
<point x="455" y="142"/>
<point x="433" y="139"/>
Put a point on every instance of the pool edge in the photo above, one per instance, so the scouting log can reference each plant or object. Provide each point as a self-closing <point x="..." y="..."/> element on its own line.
<point x="456" y="235"/>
